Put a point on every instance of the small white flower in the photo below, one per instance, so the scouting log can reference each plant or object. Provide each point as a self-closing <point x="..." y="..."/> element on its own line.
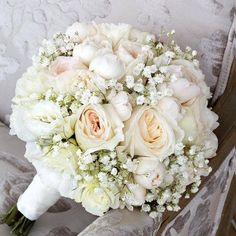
<point x="105" y="160"/>
<point x="94" y="100"/>
<point x="140" y="100"/>
<point x="188" y="49"/>
<point x="154" y="214"/>
<point x="102" y="176"/>
<point x="138" y="69"/>
<point x="159" y="78"/>
<point x="159" y="46"/>
<point x="119" y="87"/>
<point x="146" y="208"/>
<point x="194" y="53"/>
<point x="138" y="87"/>
<point x="129" y="81"/>
<point x="114" y="171"/>
<point x="150" y="197"/>
<point x="57" y="138"/>
<point x="147" y="72"/>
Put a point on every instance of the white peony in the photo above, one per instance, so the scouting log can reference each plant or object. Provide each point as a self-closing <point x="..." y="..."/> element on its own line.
<point x="81" y="30"/>
<point x="122" y="105"/>
<point x="108" y="66"/>
<point x="190" y="84"/>
<point x="97" y="199"/>
<point x="149" y="172"/>
<point x="98" y="127"/>
<point x="91" y="47"/>
<point x="153" y="131"/>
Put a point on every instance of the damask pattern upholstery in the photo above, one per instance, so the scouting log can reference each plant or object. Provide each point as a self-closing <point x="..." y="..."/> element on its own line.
<point x="201" y="24"/>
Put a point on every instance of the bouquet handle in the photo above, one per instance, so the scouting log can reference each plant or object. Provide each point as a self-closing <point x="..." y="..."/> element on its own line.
<point x="34" y="202"/>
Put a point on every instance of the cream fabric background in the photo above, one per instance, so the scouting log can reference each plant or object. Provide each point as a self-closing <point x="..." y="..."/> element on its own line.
<point x="201" y="24"/>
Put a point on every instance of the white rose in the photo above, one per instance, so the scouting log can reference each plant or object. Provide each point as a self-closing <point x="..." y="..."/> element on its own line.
<point x="62" y="64"/>
<point x="140" y="36"/>
<point x="115" y="32"/>
<point x="63" y="160"/>
<point x="97" y="199"/>
<point x="41" y="119"/>
<point x="128" y="51"/>
<point x="149" y="173"/>
<point x="108" y="66"/>
<point x="191" y="83"/>
<point x="98" y="127"/>
<point x="153" y="131"/>
<point x="122" y="105"/>
<point x="81" y="30"/>
<point x="198" y="123"/>
<point x="138" y="194"/>
<point x="91" y="47"/>
<point x="32" y="83"/>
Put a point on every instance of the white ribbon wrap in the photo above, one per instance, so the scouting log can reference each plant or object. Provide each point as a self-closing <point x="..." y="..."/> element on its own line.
<point x="37" y="198"/>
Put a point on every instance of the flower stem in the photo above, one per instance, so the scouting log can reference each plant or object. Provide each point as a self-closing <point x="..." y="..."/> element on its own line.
<point x="18" y="223"/>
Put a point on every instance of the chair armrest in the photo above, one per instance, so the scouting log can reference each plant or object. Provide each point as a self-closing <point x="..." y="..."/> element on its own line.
<point x="122" y="222"/>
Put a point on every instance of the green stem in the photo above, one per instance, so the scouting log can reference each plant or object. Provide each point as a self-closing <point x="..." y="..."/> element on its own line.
<point x="18" y="223"/>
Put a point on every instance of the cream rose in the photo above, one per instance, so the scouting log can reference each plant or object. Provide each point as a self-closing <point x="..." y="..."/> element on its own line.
<point x="153" y="131"/>
<point x="97" y="199"/>
<point x="62" y="64"/>
<point x="98" y="127"/>
<point x="108" y="66"/>
<point x="149" y="172"/>
<point x="198" y="123"/>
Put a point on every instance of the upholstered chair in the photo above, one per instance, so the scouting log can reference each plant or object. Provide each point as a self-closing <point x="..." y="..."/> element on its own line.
<point x="205" y="25"/>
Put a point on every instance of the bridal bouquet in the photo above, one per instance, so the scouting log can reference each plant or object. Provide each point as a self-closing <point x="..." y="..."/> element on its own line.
<point x="113" y="118"/>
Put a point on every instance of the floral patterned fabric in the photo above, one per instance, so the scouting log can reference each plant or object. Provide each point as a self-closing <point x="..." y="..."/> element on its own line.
<point x="202" y="24"/>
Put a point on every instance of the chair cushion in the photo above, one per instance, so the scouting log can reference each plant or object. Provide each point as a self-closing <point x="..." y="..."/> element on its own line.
<point x="202" y="25"/>
<point x="15" y="174"/>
